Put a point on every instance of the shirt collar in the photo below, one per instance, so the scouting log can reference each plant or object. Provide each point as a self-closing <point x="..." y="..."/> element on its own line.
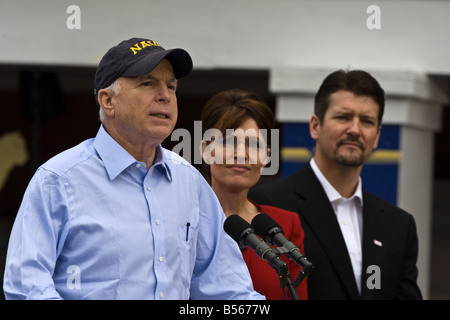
<point x="332" y="194"/>
<point x="116" y="158"/>
<point x="162" y="163"/>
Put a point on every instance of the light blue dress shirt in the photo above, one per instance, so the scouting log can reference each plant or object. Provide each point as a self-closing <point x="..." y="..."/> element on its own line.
<point x="94" y="224"/>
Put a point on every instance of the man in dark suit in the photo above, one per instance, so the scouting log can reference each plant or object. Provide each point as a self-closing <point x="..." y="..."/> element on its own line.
<point x="362" y="246"/>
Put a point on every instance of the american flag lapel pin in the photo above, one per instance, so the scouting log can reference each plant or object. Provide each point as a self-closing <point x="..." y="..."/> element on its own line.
<point x="377" y="242"/>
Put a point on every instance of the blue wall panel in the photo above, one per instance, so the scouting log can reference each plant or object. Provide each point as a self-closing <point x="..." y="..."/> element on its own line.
<point x="379" y="174"/>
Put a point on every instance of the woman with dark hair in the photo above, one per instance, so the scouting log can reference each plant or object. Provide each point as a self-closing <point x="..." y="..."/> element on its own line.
<point x="235" y="150"/>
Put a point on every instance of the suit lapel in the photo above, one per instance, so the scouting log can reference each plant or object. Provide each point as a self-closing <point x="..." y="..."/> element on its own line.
<point x="374" y="237"/>
<point x="319" y="215"/>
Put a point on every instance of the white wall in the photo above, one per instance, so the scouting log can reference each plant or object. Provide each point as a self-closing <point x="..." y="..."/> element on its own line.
<point x="235" y="33"/>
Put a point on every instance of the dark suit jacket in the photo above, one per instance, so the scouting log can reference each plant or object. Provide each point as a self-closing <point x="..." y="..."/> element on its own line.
<point x="389" y="241"/>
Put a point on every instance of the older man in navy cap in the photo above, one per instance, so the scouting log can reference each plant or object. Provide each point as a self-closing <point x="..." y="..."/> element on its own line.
<point x="118" y="216"/>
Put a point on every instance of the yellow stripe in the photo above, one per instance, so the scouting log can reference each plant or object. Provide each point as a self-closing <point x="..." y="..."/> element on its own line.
<point x="295" y="154"/>
<point x="385" y="156"/>
<point x="304" y="154"/>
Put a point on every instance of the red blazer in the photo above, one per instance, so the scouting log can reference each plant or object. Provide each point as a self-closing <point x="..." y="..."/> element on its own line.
<point x="264" y="277"/>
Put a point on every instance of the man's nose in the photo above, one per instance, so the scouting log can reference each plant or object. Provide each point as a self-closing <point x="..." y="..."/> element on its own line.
<point x="354" y="127"/>
<point x="163" y="94"/>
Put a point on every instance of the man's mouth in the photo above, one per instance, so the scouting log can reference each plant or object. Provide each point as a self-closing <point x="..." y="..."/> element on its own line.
<point x="160" y="115"/>
<point x="353" y="143"/>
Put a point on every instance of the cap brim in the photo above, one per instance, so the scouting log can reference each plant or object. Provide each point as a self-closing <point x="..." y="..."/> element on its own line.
<point x="181" y="62"/>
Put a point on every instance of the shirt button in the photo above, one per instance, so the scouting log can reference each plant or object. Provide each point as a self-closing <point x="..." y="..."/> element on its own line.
<point x="148" y="188"/>
<point x="160" y="259"/>
<point x="138" y="165"/>
<point x="161" y="294"/>
<point x="157" y="222"/>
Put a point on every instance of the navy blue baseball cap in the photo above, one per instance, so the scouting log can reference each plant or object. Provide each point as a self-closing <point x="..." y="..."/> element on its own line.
<point x="136" y="57"/>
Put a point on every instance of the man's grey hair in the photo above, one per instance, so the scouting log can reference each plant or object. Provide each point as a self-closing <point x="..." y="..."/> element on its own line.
<point x="115" y="88"/>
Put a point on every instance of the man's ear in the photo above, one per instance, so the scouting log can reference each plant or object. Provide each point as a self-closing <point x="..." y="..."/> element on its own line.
<point x="105" y="100"/>
<point x="314" y="127"/>
<point x="202" y="151"/>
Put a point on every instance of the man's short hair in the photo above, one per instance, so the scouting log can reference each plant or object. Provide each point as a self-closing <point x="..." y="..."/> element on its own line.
<point x="359" y="82"/>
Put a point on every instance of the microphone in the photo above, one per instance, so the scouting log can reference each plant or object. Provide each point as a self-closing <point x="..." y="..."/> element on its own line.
<point x="243" y="233"/>
<point x="272" y="233"/>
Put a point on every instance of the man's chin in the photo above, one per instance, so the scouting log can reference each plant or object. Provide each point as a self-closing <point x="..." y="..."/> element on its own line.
<point x="350" y="161"/>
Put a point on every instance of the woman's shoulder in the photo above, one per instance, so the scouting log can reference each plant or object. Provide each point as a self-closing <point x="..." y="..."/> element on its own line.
<point x="278" y="214"/>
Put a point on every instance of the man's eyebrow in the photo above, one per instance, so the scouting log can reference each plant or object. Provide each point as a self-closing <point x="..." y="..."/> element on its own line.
<point x="145" y="76"/>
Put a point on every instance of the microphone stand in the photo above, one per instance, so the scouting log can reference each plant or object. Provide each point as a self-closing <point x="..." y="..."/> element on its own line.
<point x="285" y="277"/>
<point x="291" y="289"/>
<point x="285" y="280"/>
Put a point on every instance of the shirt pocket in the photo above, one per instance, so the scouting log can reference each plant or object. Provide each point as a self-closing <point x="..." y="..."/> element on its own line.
<point x="188" y="243"/>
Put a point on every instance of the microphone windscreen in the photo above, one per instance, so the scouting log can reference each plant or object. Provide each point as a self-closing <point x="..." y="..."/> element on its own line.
<point x="234" y="225"/>
<point x="263" y="223"/>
